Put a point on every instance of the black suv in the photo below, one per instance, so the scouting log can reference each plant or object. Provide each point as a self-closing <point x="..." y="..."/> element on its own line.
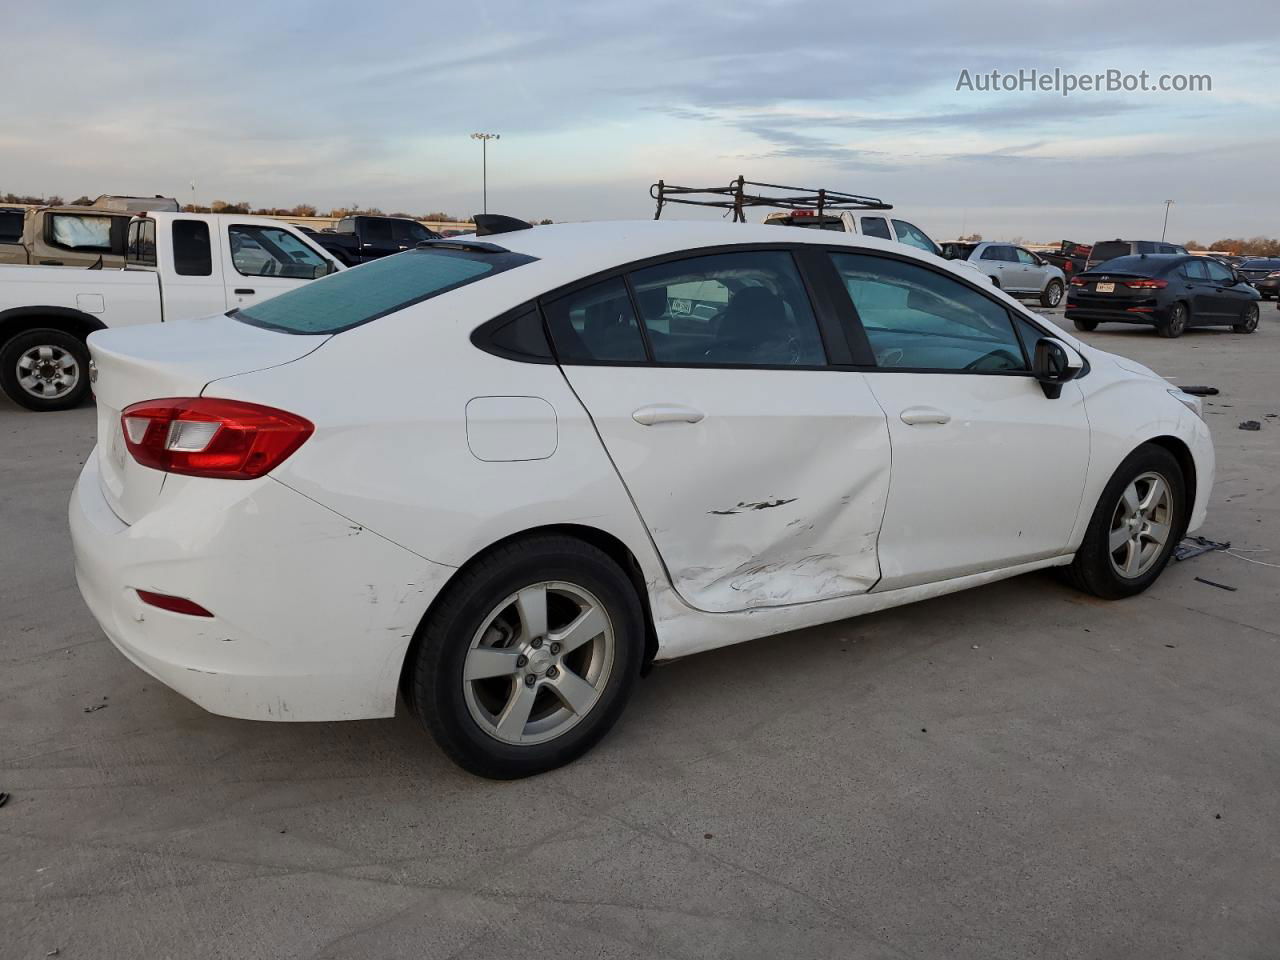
<point x="1105" y="250"/>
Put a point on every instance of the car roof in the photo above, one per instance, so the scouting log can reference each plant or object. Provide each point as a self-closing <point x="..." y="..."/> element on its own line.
<point x="569" y="251"/>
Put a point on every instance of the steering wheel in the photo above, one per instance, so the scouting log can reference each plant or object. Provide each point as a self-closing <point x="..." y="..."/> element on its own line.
<point x="1007" y="361"/>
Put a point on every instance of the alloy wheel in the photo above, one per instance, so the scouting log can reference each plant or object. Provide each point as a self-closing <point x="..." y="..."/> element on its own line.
<point x="539" y="663"/>
<point x="48" y="371"/>
<point x="1141" y="525"/>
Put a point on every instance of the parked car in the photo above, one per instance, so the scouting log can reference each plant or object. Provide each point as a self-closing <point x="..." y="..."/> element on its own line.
<point x="74" y="235"/>
<point x="1264" y="274"/>
<point x="617" y="443"/>
<point x="1105" y="250"/>
<point x="1014" y="269"/>
<point x="180" y="266"/>
<point x="1167" y="291"/>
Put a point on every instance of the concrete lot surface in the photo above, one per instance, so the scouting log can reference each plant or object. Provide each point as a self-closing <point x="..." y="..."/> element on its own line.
<point x="1018" y="771"/>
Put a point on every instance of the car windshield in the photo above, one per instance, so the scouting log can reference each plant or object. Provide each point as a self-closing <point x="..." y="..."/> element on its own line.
<point x="378" y="288"/>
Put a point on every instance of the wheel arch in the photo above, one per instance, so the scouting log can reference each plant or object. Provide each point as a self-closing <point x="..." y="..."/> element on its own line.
<point x="606" y="542"/>
<point x="1182" y="453"/>
<point x="77" y="323"/>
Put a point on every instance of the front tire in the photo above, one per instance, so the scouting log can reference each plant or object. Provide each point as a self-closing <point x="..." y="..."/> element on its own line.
<point x="1052" y="294"/>
<point x="45" y="369"/>
<point x="1139" y="519"/>
<point x="1177" y="322"/>
<point x="529" y="658"/>
<point x="1249" y="321"/>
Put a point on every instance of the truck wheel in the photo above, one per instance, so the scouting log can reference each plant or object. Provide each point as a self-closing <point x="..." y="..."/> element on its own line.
<point x="45" y="369"/>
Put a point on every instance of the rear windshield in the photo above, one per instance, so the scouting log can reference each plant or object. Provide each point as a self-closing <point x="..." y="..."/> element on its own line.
<point x="1147" y="266"/>
<point x="1109" y="249"/>
<point x="1260" y="265"/>
<point x="375" y="289"/>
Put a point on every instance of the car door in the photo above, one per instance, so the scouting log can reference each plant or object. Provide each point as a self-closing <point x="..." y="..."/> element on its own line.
<point x="1228" y="297"/>
<point x="261" y="261"/>
<point x="987" y="472"/>
<point x="1196" y="291"/>
<point x="759" y="466"/>
<point x="1031" y="272"/>
<point x="997" y="262"/>
<point x="193" y="284"/>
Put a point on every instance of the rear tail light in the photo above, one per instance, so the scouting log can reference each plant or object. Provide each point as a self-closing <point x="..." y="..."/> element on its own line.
<point x="1079" y="281"/>
<point x="173" y="604"/>
<point x="209" y="437"/>
<point x="1146" y="284"/>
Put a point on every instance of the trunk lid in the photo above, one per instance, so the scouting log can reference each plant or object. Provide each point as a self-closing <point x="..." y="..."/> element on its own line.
<point x="152" y="361"/>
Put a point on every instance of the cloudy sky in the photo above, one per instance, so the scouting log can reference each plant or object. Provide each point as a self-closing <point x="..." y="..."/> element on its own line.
<point x="286" y="102"/>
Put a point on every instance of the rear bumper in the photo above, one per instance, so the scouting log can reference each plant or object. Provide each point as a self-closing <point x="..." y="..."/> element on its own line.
<point x="313" y="614"/>
<point x="1150" y="313"/>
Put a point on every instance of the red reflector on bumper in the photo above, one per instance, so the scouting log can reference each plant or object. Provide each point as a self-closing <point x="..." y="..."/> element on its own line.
<point x="173" y="604"/>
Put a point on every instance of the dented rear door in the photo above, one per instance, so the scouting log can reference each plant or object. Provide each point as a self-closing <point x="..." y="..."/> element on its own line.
<point x="761" y="486"/>
<point x="774" y="496"/>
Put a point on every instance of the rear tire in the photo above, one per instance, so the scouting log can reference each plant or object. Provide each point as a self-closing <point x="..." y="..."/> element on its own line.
<point x="1249" y="322"/>
<point x="1052" y="294"/>
<point x="1177" y="322"/>
<point x="45" y="369"/>
<point x="497" y="668"/>
<point x="1137" y="559"/>
<point x="1086" y="326"/>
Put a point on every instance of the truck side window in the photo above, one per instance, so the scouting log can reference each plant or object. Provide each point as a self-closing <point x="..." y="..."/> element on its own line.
<point x="876" y="227"/>
<point x="141" y="247"/>
<point x="73" y="231"/>
<point x="258" y="251"/>
<point x="192" y="252"/>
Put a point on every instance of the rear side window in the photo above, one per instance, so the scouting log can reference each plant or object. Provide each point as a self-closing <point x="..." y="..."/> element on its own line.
<point x="1194" y="270"/>
<point x="192" y="252"/>
<point x="730" y="309"/>
<point x="73" y="231"/>
<point x="11" y="226"/>
<point x="876" y="227"/>
<point x="1109" y="250"/>
<point x="375" y="289"/>
<point x="595" y="324"/>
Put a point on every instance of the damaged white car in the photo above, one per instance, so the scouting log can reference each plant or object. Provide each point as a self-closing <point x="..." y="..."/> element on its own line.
<point x="501" y="474"/>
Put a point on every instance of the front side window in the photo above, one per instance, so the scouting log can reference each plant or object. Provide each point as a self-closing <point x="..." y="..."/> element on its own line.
<point x="376" y="289"/>
<point x="729" y="309"/>
<point x="192" y="252"/>
<point x="408" y="233"/>
<point x="11" y="226"/>
<point x="1218" y="273"/>
<point x="917" y="319"/>
<point x="1025" y="256"/>
<point x="913" y="236"/>
<point x="595" y="324"/>
<point x="876" y="227"/>
<point x="272" y="252"/>
<point x="74" y="231"/>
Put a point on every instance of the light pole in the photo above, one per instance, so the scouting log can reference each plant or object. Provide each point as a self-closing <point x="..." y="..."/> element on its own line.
<point x="1165" y="228"/>
<point x="484" y="139"/>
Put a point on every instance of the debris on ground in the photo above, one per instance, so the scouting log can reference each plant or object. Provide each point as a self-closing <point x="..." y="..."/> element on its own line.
<point x="4" y="798"/>
<point x="1200" y="391"/>
<point x="1195" y="546"/>
<point x="95" y="706"/>
<point x="1214" y="583"/>
<point x="1250" y="425"/>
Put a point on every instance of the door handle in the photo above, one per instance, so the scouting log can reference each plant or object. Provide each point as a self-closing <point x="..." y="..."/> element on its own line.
<point x="666" y="413"/>
<point x="917" y="415"/>
<point x="243" y="291"/>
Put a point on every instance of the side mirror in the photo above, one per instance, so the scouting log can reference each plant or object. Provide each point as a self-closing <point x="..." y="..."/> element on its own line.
<point x="1054" y="364"/>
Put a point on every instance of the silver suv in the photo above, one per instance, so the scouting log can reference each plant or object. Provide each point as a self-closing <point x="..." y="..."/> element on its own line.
<point x="1016" y="271"/>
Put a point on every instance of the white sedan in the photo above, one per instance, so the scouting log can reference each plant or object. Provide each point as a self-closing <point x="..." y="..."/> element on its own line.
<point x="503" y="474"/>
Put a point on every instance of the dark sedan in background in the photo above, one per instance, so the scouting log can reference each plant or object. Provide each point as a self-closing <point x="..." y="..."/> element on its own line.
<point x="1167" y="291"/>
<point x="1264" y="274"/>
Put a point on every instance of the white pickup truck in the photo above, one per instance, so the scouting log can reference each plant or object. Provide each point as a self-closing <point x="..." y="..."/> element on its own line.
<point x="179" y="266"/>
